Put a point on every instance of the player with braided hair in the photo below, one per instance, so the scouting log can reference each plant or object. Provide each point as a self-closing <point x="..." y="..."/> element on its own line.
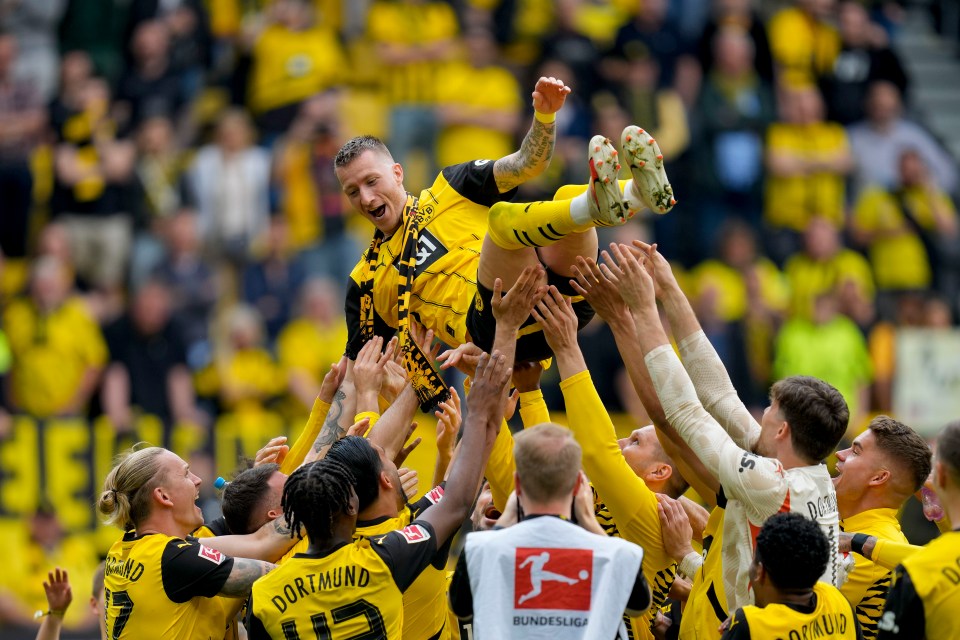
<point x="344" y="588"/>
<point x="314" y="496"/>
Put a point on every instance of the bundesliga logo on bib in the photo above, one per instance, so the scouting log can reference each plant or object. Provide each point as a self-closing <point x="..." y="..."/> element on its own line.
<point x="553" y="579"/>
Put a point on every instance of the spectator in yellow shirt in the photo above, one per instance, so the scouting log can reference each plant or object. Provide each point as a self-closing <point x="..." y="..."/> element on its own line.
<point x="479" y="104"/>
<point x="826" y="265"/>
<point x="803" y="42"/>
<point x="243" y="375"/>
<point x="808" y="160"/>
<point x="313" y="341"/>
<point x="58" y="349"/>
<point x="414" y="39"/>
<point x="897" y="226"/>
<point x="42" y="546"/>
<point x="295" y="57"/>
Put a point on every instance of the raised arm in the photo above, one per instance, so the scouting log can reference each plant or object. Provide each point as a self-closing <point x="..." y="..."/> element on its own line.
<point x="484" y="414"/>
<point x="700" y="359"/>
<point x="318" y="414"/>
<point x="536" y="150"/>
<point x="757" y="481"/>
<point x="59" y="597"/>
<point x="368" y="372"/>
<point x="632" y="504"/>
<point x="603" y="296"/>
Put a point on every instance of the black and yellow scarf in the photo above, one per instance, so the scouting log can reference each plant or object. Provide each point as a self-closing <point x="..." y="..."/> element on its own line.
<point x="429" y="386"/>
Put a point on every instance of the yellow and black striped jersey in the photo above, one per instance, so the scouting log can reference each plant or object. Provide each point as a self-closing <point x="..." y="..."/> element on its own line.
<point x="425" y="602"/>
<point x="830" y="617"/>
<point x="159" y="586"/>
<point x="352" y="591"/>
<point x="706" y="606"/>
<point x="448" y="252"/>
<point x="867" y="585"/>
<point x="629" y="506"/>
<point x="924" y="601"/>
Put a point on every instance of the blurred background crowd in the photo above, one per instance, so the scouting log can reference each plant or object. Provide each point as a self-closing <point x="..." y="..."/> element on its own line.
<point x="175" y="244"/>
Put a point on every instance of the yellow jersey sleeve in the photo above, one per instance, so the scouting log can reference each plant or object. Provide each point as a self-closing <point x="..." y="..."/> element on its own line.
<point x="298" y="452"/>
<point x="500" y="467"/>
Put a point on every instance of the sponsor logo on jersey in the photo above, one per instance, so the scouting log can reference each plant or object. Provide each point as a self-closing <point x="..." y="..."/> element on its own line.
<point x="212" y="555"/>
<point x="435" y="495"/>
<point x="414" y="533"/>
<point x="480" y="163"/>
<point x="553" y="579"/>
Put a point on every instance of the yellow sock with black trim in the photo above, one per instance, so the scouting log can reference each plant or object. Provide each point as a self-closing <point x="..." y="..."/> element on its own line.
<point x="532" y="224"/>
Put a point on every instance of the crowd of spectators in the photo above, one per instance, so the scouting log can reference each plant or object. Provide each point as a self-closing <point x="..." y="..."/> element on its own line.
<point x="175" y="243"/>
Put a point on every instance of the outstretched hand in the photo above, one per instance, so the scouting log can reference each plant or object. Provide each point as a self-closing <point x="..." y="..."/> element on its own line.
<point x="368" y="370"/>
<point x="675" y="528"/>
<point x="273" y="452"/>
<point x="549" y="95"/>
<point x="558" y="321"/>
<point x="410" y="445"/>
<point x="464" y="358"/>
<point x="600" y="292"/>
<point x="332" y="380"/>
<point x="513" y="308"/>
<point x="59" y="594"/>
<point x="631" y="278"/>
<point x="487" y="395"/>
<point x="448" y="423"/>
<point x="657" y="266"/>
<point x="409" y="481"/>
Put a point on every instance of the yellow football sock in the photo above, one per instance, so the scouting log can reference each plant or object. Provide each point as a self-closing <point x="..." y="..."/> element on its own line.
<point x="532" y="224"/>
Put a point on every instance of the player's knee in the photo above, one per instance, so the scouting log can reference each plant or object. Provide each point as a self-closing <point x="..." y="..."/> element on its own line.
<point x="500" y="228"/>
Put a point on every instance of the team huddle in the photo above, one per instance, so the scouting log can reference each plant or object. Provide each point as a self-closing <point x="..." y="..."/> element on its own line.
<point x="574" y="532"/>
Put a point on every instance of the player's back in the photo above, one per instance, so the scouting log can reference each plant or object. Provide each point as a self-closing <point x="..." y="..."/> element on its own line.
<point x="830" y="618"/>
<point x="144" y="599"/>
<point x="347" y="593"/>
<point x="806" y="490"/>
<point x="425" y="601"/>
<point x="935" y="576"/>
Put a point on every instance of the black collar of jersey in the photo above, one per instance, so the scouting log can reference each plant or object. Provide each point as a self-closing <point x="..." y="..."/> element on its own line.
<point x="810" y="607"/>
<point x="322" y="554"/>
<point x="132" y="535"/>
<point x="374" y="521"/>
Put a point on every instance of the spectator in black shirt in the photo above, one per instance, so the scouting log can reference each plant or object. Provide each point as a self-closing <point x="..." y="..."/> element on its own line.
<point x="148" y="363"/>
<point x="865" y="56"/>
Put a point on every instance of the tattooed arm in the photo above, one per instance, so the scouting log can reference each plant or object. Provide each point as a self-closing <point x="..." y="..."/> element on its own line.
<point x="243" y="575"/>
<point x="537" y="146"/>
<point x="268" y="543"/>
<point x="339" y="417"/>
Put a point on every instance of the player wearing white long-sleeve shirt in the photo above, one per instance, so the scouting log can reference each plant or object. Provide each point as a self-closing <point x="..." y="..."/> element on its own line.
<point x="764" y="468"/>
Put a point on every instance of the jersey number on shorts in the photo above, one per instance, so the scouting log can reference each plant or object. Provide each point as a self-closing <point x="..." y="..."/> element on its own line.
<point x="122" y="600"/>
<point x="341" y="614"/>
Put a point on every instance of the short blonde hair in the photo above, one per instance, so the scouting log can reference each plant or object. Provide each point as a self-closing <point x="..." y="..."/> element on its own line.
<point x="125" y="501"/>
<point x="548" y="461"/>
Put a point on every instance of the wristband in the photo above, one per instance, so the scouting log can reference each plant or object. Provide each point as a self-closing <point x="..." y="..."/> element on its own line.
<point x="49" y="612"/>
<point x="545" y="118"/>
<point x="859" y="539"/>
<point x="689" y="565"/>
<point x="372" y="415"/>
